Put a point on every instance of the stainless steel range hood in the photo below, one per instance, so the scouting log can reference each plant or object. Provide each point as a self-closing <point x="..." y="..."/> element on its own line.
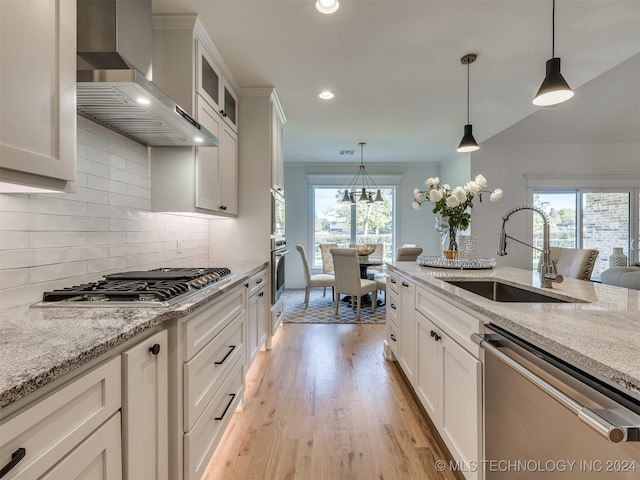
<point x="114" y="49"/>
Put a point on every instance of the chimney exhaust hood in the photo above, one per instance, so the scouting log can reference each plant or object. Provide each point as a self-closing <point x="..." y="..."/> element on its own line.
<point x="114" y="49"/>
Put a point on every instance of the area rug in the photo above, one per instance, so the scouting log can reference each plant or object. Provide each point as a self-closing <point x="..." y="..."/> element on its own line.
<point x="321" y="309"/>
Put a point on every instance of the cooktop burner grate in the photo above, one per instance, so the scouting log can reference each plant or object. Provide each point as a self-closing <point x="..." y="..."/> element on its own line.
<point x="158" y="286"/>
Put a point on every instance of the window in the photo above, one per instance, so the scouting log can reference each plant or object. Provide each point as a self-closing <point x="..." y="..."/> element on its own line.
<point x="589" y="218"/>
<point x="346" y="224"/>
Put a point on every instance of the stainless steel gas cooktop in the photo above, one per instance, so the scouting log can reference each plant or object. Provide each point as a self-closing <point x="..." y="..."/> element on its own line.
<point x="153" y="288"/>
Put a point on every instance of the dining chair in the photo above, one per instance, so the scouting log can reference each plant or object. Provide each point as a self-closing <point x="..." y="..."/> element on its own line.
<point x="574" y="262"/>
<point x="348" y="281"/>
<point x="327" y="260"/>
<point x="403" y="254"/>
<point x="378" y="254"/>
<point x="323" y="280"/>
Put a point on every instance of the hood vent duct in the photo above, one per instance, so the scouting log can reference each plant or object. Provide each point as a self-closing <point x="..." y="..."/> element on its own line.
<point x="114" y="48"/>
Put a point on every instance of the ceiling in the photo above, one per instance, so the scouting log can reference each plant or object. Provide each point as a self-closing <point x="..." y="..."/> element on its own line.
<point x="394" y="65"/>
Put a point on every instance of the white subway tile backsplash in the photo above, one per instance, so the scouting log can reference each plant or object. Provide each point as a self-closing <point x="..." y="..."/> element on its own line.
<point x="96" y="164"/>
<point x="123" y="200"/>
<point x="101" y="183"/>
<point x="51" y="241"/>
<point x="84" y="224"/>
<point x="14" y="277"/>
<point x="14" y="202"/>
<point x="56" y="206"/>
<point x="47" y="273"/>
<point x="56" y="239"/>
<point x="13" y="240"/>
<point x="29" y="221"/>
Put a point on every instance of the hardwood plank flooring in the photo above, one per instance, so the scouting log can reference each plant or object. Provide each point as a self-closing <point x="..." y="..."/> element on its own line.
<point x="324" y="404"/>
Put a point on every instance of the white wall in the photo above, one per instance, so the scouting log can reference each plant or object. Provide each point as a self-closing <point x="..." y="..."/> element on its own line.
<point x="50" y="241"/>
<point x="411" y="227"/>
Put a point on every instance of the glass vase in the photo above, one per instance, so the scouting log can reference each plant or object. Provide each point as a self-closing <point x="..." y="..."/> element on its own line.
<point x="442" y="227"/>
<point x="451" y="253"/>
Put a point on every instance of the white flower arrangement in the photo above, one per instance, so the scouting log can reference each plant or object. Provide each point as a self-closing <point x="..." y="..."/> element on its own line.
<point x="454" y="204"/>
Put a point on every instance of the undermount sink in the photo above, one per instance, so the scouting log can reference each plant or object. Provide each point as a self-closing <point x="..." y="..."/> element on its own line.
<point x="503" y="292"/>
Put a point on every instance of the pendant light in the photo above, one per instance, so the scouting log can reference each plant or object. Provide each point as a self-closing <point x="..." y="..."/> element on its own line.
<point x="468" y="143"/>
<point x="554" y="88"/>
<point x="362" y="185"/>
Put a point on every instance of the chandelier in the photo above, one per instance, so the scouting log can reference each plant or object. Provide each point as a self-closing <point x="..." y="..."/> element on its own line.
<point x="362" y="185"/>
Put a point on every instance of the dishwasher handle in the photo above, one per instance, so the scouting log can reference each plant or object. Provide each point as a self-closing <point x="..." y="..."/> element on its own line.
<point x="613" y="433"/>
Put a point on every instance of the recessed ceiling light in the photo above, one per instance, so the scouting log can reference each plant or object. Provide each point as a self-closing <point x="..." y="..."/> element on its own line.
<point x="143" y="101"/>
<point x="326" y="95"/>
<point x="198" y="139"/>
<point x="327" y="6"/>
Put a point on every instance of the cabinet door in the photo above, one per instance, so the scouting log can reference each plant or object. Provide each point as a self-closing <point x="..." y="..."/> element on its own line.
<point x="209" y="80"/>
<point x="228" y="171"/>
<point x="38" y="94"/>
<point x="277" y="156"/>
<point x="97" y="457"/>
<point x="252" y="329"/>
<point x="428" y="366"/>
<point x="407" y="328"/>
<point x="144" y="409"/>
<point x="207" y="162"/>
<point x="461" y="399"/>
<point x="230" y="107"/>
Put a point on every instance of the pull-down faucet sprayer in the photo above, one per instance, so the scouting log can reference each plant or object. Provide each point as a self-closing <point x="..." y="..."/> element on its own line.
<point x="547" y="268"/>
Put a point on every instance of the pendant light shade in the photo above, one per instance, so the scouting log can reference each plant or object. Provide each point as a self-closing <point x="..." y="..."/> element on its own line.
<point x="468" y="143"/>
<point x="362" y="187"/>
<point x="554" y="88"/>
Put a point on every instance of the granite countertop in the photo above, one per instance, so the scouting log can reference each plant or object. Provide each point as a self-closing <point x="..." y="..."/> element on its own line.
<point x="39" y="345"/>
<point x="601" y="335"/>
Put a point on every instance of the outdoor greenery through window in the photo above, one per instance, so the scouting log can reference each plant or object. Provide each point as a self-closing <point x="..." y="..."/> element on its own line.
<point x="586" y="219"/>
<point x="346" y="224"/>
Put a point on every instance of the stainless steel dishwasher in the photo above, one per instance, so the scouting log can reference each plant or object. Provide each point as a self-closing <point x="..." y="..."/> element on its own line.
<point x="546" y="419"/>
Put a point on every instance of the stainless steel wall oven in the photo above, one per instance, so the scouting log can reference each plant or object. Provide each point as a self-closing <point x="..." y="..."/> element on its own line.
<point x="278" y="252"/>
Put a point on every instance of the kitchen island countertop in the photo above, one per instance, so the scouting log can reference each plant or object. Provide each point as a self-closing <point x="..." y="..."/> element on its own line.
<point x="40" y="345"/>
<point x="601" y="335"/>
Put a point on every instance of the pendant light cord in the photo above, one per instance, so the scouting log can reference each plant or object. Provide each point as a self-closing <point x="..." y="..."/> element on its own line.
<point x="468" y="76"/>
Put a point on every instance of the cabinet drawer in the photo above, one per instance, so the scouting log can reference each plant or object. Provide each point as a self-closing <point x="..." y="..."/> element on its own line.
<point x="202" y="440"/>
<point x="458" y="324"/>
<point x="393" y="337"/>
<point x="52" y="427"/>
<point x="392" y="307"/>
<point x="204" y="373"/>
<point x="204" y="326"/>
<point x="256" y="282"/>
<point x="97" y="457"/>
<point x="392" y="281"/>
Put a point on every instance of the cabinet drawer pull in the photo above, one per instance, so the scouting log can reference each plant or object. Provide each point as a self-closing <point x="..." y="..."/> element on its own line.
<point x="16" y="456"/>
<point x="405" y="284"/>
<point x="155" y="349"/>
<point x="393" y="337"/>
<point x="231" y="349"/>
<point x="261" y="294"/>
<point x="246" y="285"/>
<point x="393" y="305"/>
<point x="435" y="336"/>
<point x="259" y="281"/>
<point x="233" y="396"/>
<point x="393" y="280"/>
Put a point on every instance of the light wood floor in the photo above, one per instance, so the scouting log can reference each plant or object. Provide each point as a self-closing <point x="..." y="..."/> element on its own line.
<point x="323" y="404"/>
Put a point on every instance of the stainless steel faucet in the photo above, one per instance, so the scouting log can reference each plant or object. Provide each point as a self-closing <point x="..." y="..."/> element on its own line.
<point x="547" y="268"/>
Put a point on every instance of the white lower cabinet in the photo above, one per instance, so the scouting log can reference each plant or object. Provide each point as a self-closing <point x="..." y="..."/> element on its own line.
<point x="442" y="364"/>
<point x="97" y="458"/>
<point x="206" y="375"/>
<point x="407" y="350"/>
<point x="145" y="409"/>
<point x="256" y="315"/>
<point x="68" y="419"/>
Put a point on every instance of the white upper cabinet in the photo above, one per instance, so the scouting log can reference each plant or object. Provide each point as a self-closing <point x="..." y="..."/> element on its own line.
<point x="37" y="95"/>
<point x="277" y="153"/>
<point x="212" y="85"/>
<point x="187" y="67"/>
